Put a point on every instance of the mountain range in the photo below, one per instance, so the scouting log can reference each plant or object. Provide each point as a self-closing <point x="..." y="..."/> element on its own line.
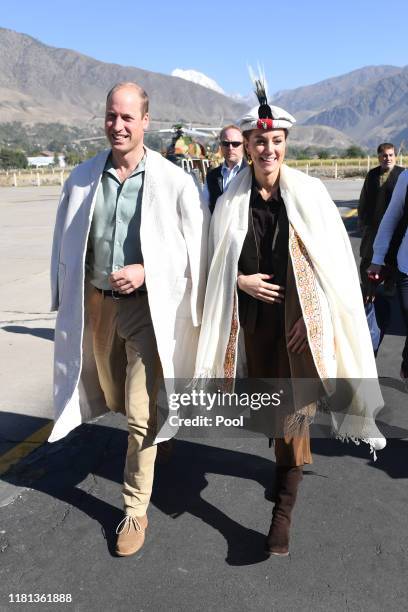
<point x="369" y="105"/>
<point x="40" y="83"/>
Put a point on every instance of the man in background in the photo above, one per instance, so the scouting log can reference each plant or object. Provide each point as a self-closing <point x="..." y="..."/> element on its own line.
<point x="375" y="197"/>
<point x="218" y="179"/>
<point x="374" y="200"/>
<point x="393" y="236"/>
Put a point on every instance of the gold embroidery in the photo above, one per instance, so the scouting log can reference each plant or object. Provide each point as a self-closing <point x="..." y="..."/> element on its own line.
<point x="230" y="353"/>
<point x="309" y="299"/>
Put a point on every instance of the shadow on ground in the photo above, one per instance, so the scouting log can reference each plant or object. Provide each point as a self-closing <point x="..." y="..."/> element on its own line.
<point x="95" y="449"/>
<point x="57" y="470"/>
<point x="39" y="332"/>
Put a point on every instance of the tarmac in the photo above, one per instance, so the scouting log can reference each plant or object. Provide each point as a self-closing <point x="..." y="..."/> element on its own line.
<point x="60" y="503"/>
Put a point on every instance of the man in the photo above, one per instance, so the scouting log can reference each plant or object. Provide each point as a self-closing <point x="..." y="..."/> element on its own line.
<point x="392" y="237"/>
<point x="219" y="178"/>
<point x="128" y="281"/>
<point x="374" y="200"/>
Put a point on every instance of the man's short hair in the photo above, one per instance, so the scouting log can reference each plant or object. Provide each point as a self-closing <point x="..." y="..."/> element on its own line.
<point x="229" y="127"/>
<point x="384" y="146"/>
<point x="144" y="98"/>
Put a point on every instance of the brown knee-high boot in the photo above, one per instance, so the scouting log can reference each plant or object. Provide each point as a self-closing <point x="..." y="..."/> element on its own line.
<point x="288" y="479"/>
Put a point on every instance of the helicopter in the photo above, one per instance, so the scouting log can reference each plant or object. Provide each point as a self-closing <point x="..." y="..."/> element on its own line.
<point x="186" y="151"/>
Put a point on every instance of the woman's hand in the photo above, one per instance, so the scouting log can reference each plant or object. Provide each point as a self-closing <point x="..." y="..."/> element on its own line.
<point x="297" y="338"/>
<point x="256" y="286"/>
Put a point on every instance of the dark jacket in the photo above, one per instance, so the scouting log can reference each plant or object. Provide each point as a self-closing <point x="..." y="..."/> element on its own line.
<point x="371" y="209"/>
<point x="214" y="183"/>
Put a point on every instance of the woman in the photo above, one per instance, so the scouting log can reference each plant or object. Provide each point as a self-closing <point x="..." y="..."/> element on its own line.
<point x="283" y="278"/>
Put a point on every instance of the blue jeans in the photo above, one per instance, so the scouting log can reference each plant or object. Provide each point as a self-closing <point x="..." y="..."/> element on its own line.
<point x="402" y="285"/>
<point x="375" y="332"/>
<point x="379" y="317"/>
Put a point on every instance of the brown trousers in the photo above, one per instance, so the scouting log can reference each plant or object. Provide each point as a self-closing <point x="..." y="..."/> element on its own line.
<point x="129" y="370"/>
<point x="267" y="357"/>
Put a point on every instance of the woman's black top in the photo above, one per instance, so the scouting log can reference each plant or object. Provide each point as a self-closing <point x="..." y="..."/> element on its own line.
<point x="265" y="250"/>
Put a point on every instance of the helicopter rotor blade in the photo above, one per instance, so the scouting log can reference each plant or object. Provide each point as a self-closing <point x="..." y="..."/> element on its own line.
<point x="162" y="131"/>
<point x="194" y="132"/>
<point x="186" y="131"/>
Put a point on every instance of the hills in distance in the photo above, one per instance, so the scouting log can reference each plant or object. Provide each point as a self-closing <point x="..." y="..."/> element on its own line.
<point x="43" y="84"/>
<point x="39" y="83"/>
<point x="369" y="105"/>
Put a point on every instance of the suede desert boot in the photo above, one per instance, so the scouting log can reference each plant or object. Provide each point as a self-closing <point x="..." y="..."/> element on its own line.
<point x="288" y="479"/>
<point x="131" y="535"/>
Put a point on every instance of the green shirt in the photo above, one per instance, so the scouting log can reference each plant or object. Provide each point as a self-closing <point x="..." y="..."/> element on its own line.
<point x="114" y="238"/>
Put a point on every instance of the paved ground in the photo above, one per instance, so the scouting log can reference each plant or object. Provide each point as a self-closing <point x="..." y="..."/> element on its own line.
<point x="59" y="505"/>
<point x="27" y="217"/>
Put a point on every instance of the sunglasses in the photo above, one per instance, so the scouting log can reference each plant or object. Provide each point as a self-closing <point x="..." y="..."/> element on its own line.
<point x="228" y="143"/>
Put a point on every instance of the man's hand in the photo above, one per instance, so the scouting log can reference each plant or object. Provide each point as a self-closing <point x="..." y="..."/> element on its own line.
<point x="297" y="337"/>
<point x="127" y="279"/>
<point x="375" y="275"/>
<point x="256" y="286"/>
<point x="374" y="272"/>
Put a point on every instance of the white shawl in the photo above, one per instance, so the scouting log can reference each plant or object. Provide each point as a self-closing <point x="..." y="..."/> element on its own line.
<point x="318" y="246"/>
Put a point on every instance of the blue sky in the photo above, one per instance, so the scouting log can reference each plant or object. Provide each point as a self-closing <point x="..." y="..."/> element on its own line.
<point x="298" y="42"/>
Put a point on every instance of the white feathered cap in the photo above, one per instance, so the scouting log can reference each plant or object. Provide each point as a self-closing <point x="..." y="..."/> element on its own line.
<point x="264" y="116"/>
<point x="281" y="119"/>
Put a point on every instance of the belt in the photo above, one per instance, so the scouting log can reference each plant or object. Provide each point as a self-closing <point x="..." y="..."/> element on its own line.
<point x="115" y="294"/>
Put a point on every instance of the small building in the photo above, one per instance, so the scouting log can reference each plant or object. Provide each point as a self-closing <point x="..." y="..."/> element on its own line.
<point x="41" y="161"/>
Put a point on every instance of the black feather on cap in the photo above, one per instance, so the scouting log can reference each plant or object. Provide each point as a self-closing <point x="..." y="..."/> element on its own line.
<point x="261" y="92"/>
<point x="264" y="110"/>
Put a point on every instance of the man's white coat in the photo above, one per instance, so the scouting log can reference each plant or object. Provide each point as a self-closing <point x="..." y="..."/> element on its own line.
<point x="173" y="234"/>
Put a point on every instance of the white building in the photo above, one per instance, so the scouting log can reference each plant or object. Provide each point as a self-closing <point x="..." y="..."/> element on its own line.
<point x="41" y="161"/>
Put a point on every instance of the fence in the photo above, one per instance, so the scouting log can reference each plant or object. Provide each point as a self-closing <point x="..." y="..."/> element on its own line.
<point x="339" y="168"/>
<point x="323" y="168"/>
<point x="33" y="177"/>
